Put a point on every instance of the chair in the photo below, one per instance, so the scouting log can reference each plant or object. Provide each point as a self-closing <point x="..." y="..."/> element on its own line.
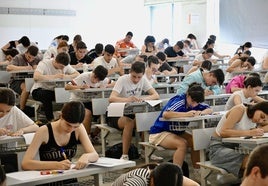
<point x="5" y="78"/>
<point x="201" y="141"/>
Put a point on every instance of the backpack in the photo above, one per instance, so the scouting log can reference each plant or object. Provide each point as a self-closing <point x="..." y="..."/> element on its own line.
<point x="115" y="151"/>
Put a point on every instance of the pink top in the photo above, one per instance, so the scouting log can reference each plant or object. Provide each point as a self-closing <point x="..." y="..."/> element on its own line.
<point x="237" y="81"/>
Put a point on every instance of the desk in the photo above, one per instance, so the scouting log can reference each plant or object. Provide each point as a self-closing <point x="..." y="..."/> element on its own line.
<point x="179" y="76"/>
<point x="165" y="88"/>
<point x="91" y="93"/>
<point x="21" y="74"/>
<point x="31" y="178"/>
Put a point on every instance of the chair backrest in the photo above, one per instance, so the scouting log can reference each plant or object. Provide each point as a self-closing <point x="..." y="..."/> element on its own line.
<point x="201" y="137"/>
<point x="99" y="106"/>
<point x="5" y="77"/>
<point x="145" y="120"/>
<point x="62" y="95"/>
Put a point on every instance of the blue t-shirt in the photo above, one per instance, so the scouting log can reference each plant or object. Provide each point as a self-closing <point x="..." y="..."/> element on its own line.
<point x="176" y="104"/>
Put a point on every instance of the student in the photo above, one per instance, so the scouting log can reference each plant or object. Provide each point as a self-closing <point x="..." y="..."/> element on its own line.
<point x="8" y="55"/>
<point x="248" y="95"/>
<point x="58" y="39"/>
<point x="53" y="51"/>
<point x="12" y="120"/>
<point x="149" y="47"/>
<point x="24" y="40"/>
<point x="155" y="175"/>
<point x="210" y="81"/>
<point x="187" y="104"/>
<point x="151" y="69"/>
<point x="56" y="142"/>
<point x="109" y="62"/>
<point x="264" y="63"/>
<point x="128" y="88"/>
<point x="125" y="43"/>
<point x="211" y="44"/>
<point x="3" y="177"/>
<point x="79" y="57"/>
<point x="240" y="121"/>
<point x="205" y="66"/>
<point x="72" y="47"/>
<point x="27" y="61"/>
<point x="206" y="55"/>
<point x="246" y="54"/>
<point x="237" y="82"/>
<point x="96" y="52"/>
<point x="245" y="47"/>
<point x="256" y="172"/>
<point x="164" y="68"/>
<point x="50" y="70"/>
<point x="162" y="45"/>
<point x="242" y="64"/>
<point x="95" y="79"/>
<point x="192" y="38"/>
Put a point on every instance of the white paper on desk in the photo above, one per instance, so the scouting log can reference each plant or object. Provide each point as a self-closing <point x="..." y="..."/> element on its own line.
<point x="28" y="138"/>
<point x="153" y="102"/>
<point x="116" y="109"/>
<point x="107" y="162"/>
<point x="265" y="135"/>
<point x="26" y="175"/>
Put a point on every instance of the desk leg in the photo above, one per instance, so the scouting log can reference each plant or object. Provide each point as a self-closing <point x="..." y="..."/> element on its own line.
<point x="98" y="179"/>
<point x="202" y="158"/>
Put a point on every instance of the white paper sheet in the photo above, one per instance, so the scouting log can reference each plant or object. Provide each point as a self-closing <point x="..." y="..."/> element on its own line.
<point x="104" y="162"/>
<point x="153" y="102"/>
<point x="28" y="138"/>
<point x="116" y="109"/>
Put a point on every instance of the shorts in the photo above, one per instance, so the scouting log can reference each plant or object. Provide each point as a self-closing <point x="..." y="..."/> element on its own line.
<point x="225" y="156"/>
<point x="15" y="85"/>
<point x="113" y="121"/>
<point x="157" y="138"/>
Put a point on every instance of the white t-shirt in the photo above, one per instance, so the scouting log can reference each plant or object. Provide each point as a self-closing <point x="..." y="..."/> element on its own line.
<point x="101" y="61"/>
<point x="126" y="88"/>
<point x="230" y="102"/>
<point x="46" y="67"/>
<point x="85" y="78"/>
<point x="15" y="120"/>
<point x="50" y="53"/>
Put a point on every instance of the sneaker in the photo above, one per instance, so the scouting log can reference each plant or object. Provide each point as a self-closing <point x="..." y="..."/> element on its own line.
<point x="196" y="175"/>
<point x="156" y="158"/>
<point x="124" y="157"/>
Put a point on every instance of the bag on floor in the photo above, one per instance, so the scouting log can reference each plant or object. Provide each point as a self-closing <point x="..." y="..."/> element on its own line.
<point x="115" y="151"/>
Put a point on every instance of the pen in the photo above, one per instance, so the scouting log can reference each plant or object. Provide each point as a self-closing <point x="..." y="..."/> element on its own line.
<point x="247" y="137"/>
<point x="63" y="153"/>
<point x="84" y="82"/>
<point x="47" y="172"/>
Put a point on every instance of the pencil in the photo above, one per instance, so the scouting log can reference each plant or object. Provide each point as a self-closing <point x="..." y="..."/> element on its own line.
<point x="63" y="153"/>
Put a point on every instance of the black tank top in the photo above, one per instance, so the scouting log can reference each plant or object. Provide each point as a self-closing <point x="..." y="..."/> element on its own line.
<point x="53" y="152"/>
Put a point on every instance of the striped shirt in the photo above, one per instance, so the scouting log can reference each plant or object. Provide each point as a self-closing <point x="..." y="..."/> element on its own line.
<point x="137" y="177"/>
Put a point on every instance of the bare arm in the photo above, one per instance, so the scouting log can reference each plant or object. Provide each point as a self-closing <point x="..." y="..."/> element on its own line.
<point x="233" y="66"/>
<point x="14" y="67"/>
<point x="265" y="63"/>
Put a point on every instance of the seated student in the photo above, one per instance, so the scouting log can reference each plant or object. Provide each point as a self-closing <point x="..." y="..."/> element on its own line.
<point x="192" y="38"/>
<point x="256" y="172"/>
<point x="149" y="47"/>
<point x="76" y="39"/>
<point x="211" y="44"/>
<point x="206" y="55"/>
<point x="53" y="51"/>
<point x="128" y="88"/>
<point x="151" y="69"/>
<point x="210" y="81"/>
<point x="187" y="104"/>
<point x="240" y="121"/>
<point x="127" y="61"/>
<point x="205" y="65"/>
<point x="96" y="52"/>
<point x="27" y="61"/>
<point x="248" y="95"/>
<point x="242" y="64"/>
<point x="56" y="143"/>
<point x="246" y="53"/>
<point x="58" y="39"/>
<point x="109" y="62"/>
<point x="3" y="177"/>
<point x="245" y="47"/>
<point x="79" y="57"/>
<point x="155" y="175"/>
<point x="48" y="70"/>
<point x="164" y="68"/>
<point x="7" y="56"/>
<point x="162" y="45"/>
<point x="12" y="120"/>
<point x="24" y="40"/>
<point x="94" y="79"/>
<point x="125" y="43"/>
<point x="237" y="82"/>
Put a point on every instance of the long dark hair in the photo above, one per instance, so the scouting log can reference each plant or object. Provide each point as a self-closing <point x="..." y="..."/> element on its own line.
<point x="262" y="106"/>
